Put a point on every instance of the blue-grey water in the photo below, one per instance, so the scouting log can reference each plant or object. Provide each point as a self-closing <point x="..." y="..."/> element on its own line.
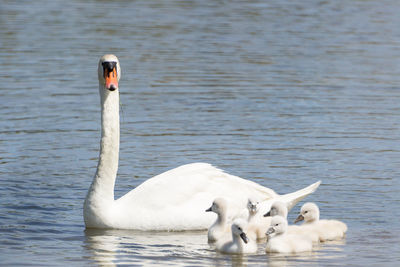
<point x="283" y="93"/>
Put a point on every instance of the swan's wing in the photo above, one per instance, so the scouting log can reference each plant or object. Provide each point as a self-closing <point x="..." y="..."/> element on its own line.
<point x="291" y="199"/>
<point x="177" y="199"/>
<point x="196" y="183"/>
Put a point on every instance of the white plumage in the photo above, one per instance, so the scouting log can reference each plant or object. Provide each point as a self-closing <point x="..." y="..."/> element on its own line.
<point x="257" y="223"/>
<point x="221" y="228"/>
<point x="240" y="243"/>
<point x="174" y="200"/>
<point x="325" y="229"/>
<point x="280" y="241"/>
<point x="279" y="208"/>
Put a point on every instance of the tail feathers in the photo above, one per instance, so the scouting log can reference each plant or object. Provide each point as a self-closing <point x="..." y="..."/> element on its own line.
<point x="291" y="199"/>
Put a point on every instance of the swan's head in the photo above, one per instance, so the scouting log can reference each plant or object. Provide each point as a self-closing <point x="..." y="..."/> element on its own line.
<point x="239" y="227"/>
<point x="109" y="72"/>
<point x="278" y="225"/>
<point x="219" y="206"/>
<point x="252" y="205"/>
<point x="277" y="208"/>
<point x="309" y="212"/>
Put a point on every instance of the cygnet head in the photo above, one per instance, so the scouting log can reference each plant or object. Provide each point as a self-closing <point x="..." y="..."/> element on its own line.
<point x="278" y="225"/>
<point x="239" y="227"/>
<point x="218" y="206"/>
<point x="309" y="212"/>
<point x="252" y="205"/>
<point x="109" y="72"/>
<point x="277" y="208"/>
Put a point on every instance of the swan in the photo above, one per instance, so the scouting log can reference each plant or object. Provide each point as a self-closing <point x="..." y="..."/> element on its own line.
<point x="240" y="243"/>
<point x="172" y="201"/>
<point x="279" y="208"/>
<point x="220" y="229"/>
<point x="325" y="229"/>
<point x="257" y="224"/>
<point x="280" y="241"/>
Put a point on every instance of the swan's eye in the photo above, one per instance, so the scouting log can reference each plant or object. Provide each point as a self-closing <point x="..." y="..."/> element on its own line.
<point x="240" y="229"/>
<point x="305" y="212"/>
<point x="277" y="224"/>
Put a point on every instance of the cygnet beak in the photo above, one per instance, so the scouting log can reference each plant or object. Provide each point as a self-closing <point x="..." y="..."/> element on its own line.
<point x="268" y="214"/>
<point x="270" y="231"/>
<point x="299" y="218"/>
<point x="243" y="236"/>
<point x="253" y="208"/>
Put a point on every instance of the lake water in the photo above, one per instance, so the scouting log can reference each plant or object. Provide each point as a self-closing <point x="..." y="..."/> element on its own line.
<point x="283" y="93"/>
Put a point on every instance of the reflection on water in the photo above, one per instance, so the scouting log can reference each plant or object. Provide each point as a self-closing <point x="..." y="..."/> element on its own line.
<point x="102" y="247"/>
<point x="116" y="247"/>
<point x="280" y="92"/>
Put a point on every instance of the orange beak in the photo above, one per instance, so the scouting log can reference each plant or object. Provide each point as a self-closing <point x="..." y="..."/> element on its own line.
<point x="111" y="76"/>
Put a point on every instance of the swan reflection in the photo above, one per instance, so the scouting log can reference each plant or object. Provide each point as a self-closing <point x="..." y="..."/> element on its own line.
<point x="116" y="247"/>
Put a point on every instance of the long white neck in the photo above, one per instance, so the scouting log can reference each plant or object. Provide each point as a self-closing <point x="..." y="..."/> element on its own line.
<point x="102" y="188"/>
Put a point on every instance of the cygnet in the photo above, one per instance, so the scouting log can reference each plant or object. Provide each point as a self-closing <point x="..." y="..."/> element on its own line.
<point x="280" y="241"/>
<point x="325" y="229"/>
<point x="220" y="229"/>
<point x="240" y="242"/>
<point x="257" y="224"/>
<point x="277" y="208"/>
<point x="280" y="208"/>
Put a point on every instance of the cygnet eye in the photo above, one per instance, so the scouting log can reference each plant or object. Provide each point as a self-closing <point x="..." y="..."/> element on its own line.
<point x="277" y="224"/>
<point x="239" y="228"/>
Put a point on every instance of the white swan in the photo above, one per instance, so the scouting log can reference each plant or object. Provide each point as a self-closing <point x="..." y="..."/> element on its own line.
<point x="221" y="228"/>
<point x="280" y="241"/>
<point x="240" y="243"/>
<point x="174" y="200"/>
<point x="257" y="224"/>
<point x="279" y="209"/>
<point x="325" y="229"/>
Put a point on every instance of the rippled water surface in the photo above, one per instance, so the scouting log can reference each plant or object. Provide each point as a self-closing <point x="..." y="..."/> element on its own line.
<point x="283" y="93"/>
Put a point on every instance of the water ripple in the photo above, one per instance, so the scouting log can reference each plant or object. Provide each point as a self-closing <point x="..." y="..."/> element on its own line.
<point x="282" y="93"/>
